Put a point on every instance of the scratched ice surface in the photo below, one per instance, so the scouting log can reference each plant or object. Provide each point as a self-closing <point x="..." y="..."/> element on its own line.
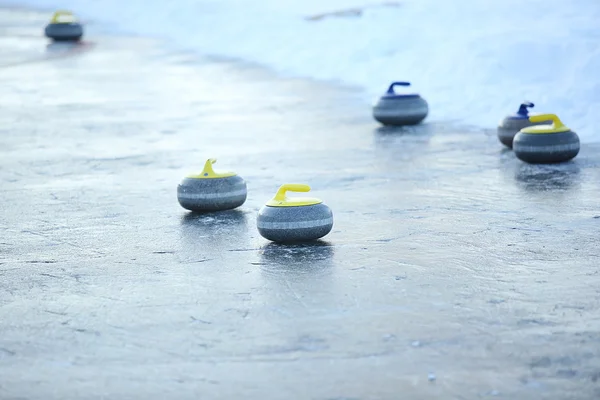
<point x="453" y="270"/>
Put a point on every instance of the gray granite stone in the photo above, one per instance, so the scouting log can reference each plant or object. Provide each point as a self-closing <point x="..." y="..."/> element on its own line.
<point x="64" y="31"/>
<point x="409" y="110"/>
<point x="546" y="148"/>
<point x="294" y="224"/>
<point x="214" y="194"/>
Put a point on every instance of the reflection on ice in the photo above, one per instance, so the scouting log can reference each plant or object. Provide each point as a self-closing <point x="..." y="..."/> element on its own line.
<point x="547" y="177"/>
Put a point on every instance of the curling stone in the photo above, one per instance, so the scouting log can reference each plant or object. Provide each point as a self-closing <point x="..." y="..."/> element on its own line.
<point x="511" y="124"/>
<point x="211" y="191"/>
<point x="546" y="144"/>
<point x="299" y="219"/>
<point x="400" y="109"/>
<point x="63" y="27"/>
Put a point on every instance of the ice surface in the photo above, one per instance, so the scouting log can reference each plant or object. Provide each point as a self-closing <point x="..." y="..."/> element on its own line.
<point x="473" y="60"/>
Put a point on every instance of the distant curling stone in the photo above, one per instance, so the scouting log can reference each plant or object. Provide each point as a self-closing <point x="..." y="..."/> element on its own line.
<point x="211" y="191"/>
<point x="400" y="109"/>
<point x="63" y="27"/>
<point x="546" y="144"/>
<point x="300" y="219"/>
<point x="512" y="124"/>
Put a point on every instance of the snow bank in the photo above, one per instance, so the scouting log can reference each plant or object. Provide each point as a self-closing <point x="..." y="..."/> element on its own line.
<point x="473" y="60"/>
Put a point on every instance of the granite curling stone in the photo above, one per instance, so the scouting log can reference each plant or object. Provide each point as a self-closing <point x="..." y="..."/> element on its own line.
<point x="512" y="124"/>
<point x="546" y="144"/>
<point x="63" y="27"/>
<point x="211" y="191"/>
<point x="299" y="219"/>
<point x="396" y="109"/>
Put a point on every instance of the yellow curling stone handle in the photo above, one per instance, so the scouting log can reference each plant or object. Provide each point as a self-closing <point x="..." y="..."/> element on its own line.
<point x="281" y="200"/>
<point x="555" y="127"/>
<point x="209" y="173"/>
<point x="63" y="17"/>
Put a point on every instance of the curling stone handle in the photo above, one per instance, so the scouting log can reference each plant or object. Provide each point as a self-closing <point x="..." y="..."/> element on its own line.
<point x="291" y="187"/>
<point x="556" y="122"/>
<point x="208" y="169"/>
<point x="60" y="13"/>
<point x="394" y="84"/>
<point x="523" y="107"/>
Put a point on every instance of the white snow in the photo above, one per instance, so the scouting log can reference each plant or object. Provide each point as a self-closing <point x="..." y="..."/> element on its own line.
<point x="474" y="61"/>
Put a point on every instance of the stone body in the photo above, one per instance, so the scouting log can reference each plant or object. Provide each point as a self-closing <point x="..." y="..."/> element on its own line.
<point x="294" y="224"/>
<point x="546" y="148"/>
<point x="64" y="32"/>
<point x="213" y="194"/>
<point x="400" y="110"/>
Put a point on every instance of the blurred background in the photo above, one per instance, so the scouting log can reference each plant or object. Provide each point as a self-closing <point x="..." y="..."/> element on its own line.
<point x="473" y="60"/>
